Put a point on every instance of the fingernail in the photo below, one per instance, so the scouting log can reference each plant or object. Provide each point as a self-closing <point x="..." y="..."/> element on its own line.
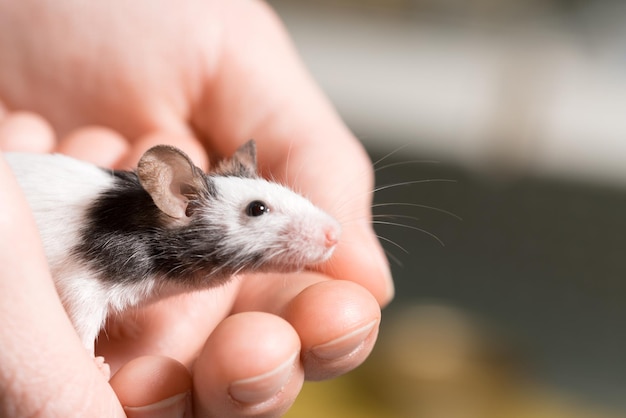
<point x="344" y="345"/>
<point x="173" y="407"/>
<point x="263" y="387"/>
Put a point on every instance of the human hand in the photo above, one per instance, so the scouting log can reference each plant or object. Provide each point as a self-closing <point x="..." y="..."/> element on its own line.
<point x="173" y="73"/>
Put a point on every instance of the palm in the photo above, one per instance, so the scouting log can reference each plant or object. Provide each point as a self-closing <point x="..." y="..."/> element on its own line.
<point x="220" y="72"/>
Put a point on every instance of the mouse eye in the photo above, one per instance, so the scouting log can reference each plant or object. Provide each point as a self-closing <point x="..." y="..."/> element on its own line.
<point x="257" y="208"/>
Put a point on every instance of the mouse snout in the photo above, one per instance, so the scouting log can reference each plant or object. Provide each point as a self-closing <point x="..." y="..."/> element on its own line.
<point x="331" y="237"/>
<point x="310" y="240"/>
<point x="332" y="232"/>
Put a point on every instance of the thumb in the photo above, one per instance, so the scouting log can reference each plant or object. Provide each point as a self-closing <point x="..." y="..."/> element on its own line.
<point x="267" y="94"/>
<point x="44" y="370"/>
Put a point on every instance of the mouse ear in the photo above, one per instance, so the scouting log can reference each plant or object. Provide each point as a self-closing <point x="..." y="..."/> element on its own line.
<point x="246" y="155"/>
<point x="169" y="176"/>
<point x="242" y="163"/>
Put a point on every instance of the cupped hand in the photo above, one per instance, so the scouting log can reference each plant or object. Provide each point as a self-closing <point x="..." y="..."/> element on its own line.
<point x="205" y="76"/>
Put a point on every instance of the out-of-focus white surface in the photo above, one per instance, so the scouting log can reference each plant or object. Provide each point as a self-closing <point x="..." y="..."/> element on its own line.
<point x="544" y="95"/>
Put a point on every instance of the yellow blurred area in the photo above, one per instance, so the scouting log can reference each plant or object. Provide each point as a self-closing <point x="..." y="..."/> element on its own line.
<point x="433" y="361"/>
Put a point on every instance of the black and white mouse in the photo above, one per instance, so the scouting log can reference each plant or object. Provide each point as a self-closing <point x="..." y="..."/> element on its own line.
<point x="116" y="239"/>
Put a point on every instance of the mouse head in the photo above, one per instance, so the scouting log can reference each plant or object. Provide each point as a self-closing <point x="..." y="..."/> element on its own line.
<point x="257" y="221"/>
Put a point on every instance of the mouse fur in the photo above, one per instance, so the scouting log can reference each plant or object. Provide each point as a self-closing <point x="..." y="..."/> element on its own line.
<point x="116" y="239"/>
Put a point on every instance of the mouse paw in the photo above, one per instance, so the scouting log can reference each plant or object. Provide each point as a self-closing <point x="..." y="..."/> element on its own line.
<point x="103" y="367"/>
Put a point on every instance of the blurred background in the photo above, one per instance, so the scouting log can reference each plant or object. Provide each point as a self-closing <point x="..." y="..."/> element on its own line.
<point x="522" y="311"/>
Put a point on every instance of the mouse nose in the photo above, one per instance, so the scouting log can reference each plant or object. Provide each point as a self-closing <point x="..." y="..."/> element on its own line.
<point x="331" y="236"/>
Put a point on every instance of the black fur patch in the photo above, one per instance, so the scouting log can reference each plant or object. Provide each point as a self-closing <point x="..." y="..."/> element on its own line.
<point x="127" y="238"/>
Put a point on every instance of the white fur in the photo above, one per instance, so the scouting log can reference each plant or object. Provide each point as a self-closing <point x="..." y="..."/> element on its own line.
<point x="72" y="182"/>
<point x="75" y="184"/>
<point x="290" y="214"/>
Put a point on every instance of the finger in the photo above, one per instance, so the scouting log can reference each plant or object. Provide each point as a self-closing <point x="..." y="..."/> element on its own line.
<point x="266" y="94"/>
<point x="153" y="387"/>
<point x="337" y="320"/>
<point x="248" y="367"/>
<point x="96" y="144"/>
<point x="360" y="258"/>
<point x="45" y="370"/>
<point x="187" y="143"/>
<point x="25" y="131"/>
<point x="175" y="327"/>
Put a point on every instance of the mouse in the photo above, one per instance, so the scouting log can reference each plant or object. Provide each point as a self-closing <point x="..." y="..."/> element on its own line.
<point x="118" y="239"/>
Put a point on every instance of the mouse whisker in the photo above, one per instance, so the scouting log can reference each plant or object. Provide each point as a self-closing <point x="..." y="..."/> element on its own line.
<point x="411" y="227"/>
<point x="393" y="243"/>
<point x="399" y="163"/>
<point x="390" y="154"/>
<point x="407" y="183"/>
<point x="418" y="205"/>
<point x="394" y="216"/>
<point x="394" y="258"/>
<point x="347" y="199"/>
<point x="344" y="198"/>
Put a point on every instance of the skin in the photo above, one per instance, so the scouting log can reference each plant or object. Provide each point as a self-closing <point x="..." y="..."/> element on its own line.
<point x="104" y="81"/>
